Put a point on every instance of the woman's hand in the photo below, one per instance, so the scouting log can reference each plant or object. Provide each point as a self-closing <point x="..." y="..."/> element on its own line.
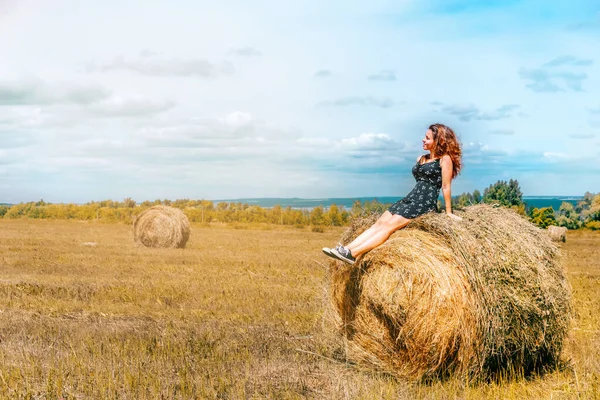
<point x="454" y="217"/>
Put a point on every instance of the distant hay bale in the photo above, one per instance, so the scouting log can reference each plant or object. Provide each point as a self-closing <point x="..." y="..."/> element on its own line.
<point x="162" y="227"/>
<point x="481" y="297"/>
<point x="557" y="233"/>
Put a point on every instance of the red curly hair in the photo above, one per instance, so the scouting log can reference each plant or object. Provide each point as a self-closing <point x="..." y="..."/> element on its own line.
<point x="446" y="143"/>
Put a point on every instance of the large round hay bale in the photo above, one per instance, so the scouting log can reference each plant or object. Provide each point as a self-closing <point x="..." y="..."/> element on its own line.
<point x="557" y="233"/>
<point x="162" y="227"/>
<point x="479" y="297"/>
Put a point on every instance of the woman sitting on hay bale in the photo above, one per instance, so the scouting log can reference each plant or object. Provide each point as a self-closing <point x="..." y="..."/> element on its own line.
<point x="481" y="298"/>
<point x="433" y="171"/>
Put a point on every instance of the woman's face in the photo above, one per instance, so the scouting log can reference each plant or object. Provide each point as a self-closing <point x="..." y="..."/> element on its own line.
<point x="428" y="140"/>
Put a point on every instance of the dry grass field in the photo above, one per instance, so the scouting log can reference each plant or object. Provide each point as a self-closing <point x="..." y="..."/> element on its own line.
<point x="238" y="314"/>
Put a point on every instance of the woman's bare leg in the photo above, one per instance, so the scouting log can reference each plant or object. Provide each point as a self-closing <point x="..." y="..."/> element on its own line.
<point x="372" y="230"/>
<point x="381" y="233"/>
<point x="360" y="239"/>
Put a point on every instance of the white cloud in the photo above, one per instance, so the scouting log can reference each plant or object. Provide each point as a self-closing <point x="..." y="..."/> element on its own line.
<point x="557" y="156"/>
<point x="505" y="132"/>
<point x="371" y="141"/>
<point x="385" y="75"/>
<point x="581" y="135"/>
<point x="12" y="140"/>
<point x="152" y="65"/>
<point x="126" y="107"/>
<point x="568" y="60"/>
<point x="323" y="73"/>
<point x="20" y="118"/>
<point x="238" y="119"/>
<point x="470" y="112"/>
<point x="314" y="142"/>
<point x="246" y="52"/>
<point x="35" y="104"/>
<point x="236" y="133"/>
<point x="77" y="162"/>
<point x="367" y="150"/>
<point x="367" y="101"/>
<point x="478" y="152"/>
<point x="36" y="92"/>
<point x="548" y="79"/>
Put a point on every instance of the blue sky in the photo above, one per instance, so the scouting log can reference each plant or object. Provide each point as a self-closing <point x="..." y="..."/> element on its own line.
<point x="232" y="99"/>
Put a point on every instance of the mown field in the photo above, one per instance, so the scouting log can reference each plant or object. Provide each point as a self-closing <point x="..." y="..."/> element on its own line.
<point x="238" y="314"/>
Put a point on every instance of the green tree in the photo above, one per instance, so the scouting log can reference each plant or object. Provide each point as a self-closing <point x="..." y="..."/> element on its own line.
<point x="462" y="200"/>
<point x="592" y="214"/>
<point x="255" y="213"/>
<point x="293" y="217"/>
<point x="543" y="217"/>
<point x="129" y="203"/>
<point x="567" y="216"/>
<point x="357" y="209"/>
<point x="374" y="207"/>
<point x="467" y="199"/>
<point x="17" y="211"/>
<point x="585" y="203"/>
<point x="317" y="216"/>
<point x="507" y="194"/>
<point x="277" y="215"/>
<point x="334" y="216"/>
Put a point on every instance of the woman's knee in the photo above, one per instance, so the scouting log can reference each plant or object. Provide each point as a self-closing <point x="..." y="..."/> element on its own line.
<point x="398" y="222"/>
<point x="384" y="220"/>
<point x="379" y="224"/>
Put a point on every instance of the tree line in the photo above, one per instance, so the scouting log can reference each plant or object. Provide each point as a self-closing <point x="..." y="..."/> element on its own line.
<point x="584" y="214"/>
<point x="203" y="211"/>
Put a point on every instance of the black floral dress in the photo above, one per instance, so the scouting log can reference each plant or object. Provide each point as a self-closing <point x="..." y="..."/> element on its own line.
<point x="423" y="198"/>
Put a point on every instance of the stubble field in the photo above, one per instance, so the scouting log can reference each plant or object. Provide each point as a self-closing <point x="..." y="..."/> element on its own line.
<point x="238" y="314"/>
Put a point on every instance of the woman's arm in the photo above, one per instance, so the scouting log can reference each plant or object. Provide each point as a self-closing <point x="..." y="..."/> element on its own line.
<point x="446" y="164"/>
